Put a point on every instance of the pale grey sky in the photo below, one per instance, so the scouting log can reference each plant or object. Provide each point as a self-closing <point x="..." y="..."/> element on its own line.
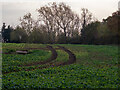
<point x="12" y="10"/>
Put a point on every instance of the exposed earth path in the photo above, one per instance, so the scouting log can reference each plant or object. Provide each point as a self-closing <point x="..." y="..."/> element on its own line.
<point x="53" y="57"/>
<point x="71" y="60"/>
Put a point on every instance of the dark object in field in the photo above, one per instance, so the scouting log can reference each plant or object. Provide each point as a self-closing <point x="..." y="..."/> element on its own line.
<point x="22" y="52"/>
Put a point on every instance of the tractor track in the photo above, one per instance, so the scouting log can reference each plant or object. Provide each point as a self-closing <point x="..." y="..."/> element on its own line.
<point x="53" y="57"/>
<point x="72" y="59"/>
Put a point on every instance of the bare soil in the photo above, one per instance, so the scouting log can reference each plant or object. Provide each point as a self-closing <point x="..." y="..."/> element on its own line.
<point x="72" y="58"/>
<point x="53" y="57"/>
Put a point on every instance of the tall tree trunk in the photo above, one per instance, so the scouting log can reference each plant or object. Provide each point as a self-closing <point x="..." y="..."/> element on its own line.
<point x="65" y="31"/>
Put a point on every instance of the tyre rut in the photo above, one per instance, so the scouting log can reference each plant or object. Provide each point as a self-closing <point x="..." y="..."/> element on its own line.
<point x="72" y="59"/>
<point x="53" y="57"/>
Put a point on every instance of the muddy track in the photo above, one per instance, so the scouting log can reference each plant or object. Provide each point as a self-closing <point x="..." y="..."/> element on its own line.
<point x="72" y="59"/>
<point x="53" y="57"/>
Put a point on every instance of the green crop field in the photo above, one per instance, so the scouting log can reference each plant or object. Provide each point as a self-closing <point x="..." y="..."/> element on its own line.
<point x="95" y="66"/>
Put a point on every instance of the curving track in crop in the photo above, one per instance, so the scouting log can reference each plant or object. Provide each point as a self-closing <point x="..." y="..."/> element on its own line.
<point x="53" y="57"/>
<point x="72" y="59"/>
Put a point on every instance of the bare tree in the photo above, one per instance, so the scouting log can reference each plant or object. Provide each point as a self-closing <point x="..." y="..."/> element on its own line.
<point x="86" y="17"/>
<point x="27" y="23"/>
<point x="58" y="18"/>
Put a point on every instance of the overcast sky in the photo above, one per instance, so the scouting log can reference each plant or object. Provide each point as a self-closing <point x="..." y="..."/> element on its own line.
<point x="14" y="9"/>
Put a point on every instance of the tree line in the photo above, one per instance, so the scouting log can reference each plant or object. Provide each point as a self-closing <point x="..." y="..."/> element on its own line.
<point x="57" y="23"/>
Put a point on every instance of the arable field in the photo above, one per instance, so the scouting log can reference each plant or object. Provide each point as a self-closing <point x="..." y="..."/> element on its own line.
<point x="59" y="66"/>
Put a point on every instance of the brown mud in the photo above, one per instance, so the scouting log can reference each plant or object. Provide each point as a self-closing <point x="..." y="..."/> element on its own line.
<point x="53" y="57"/>
<point x="72" y="59"/>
